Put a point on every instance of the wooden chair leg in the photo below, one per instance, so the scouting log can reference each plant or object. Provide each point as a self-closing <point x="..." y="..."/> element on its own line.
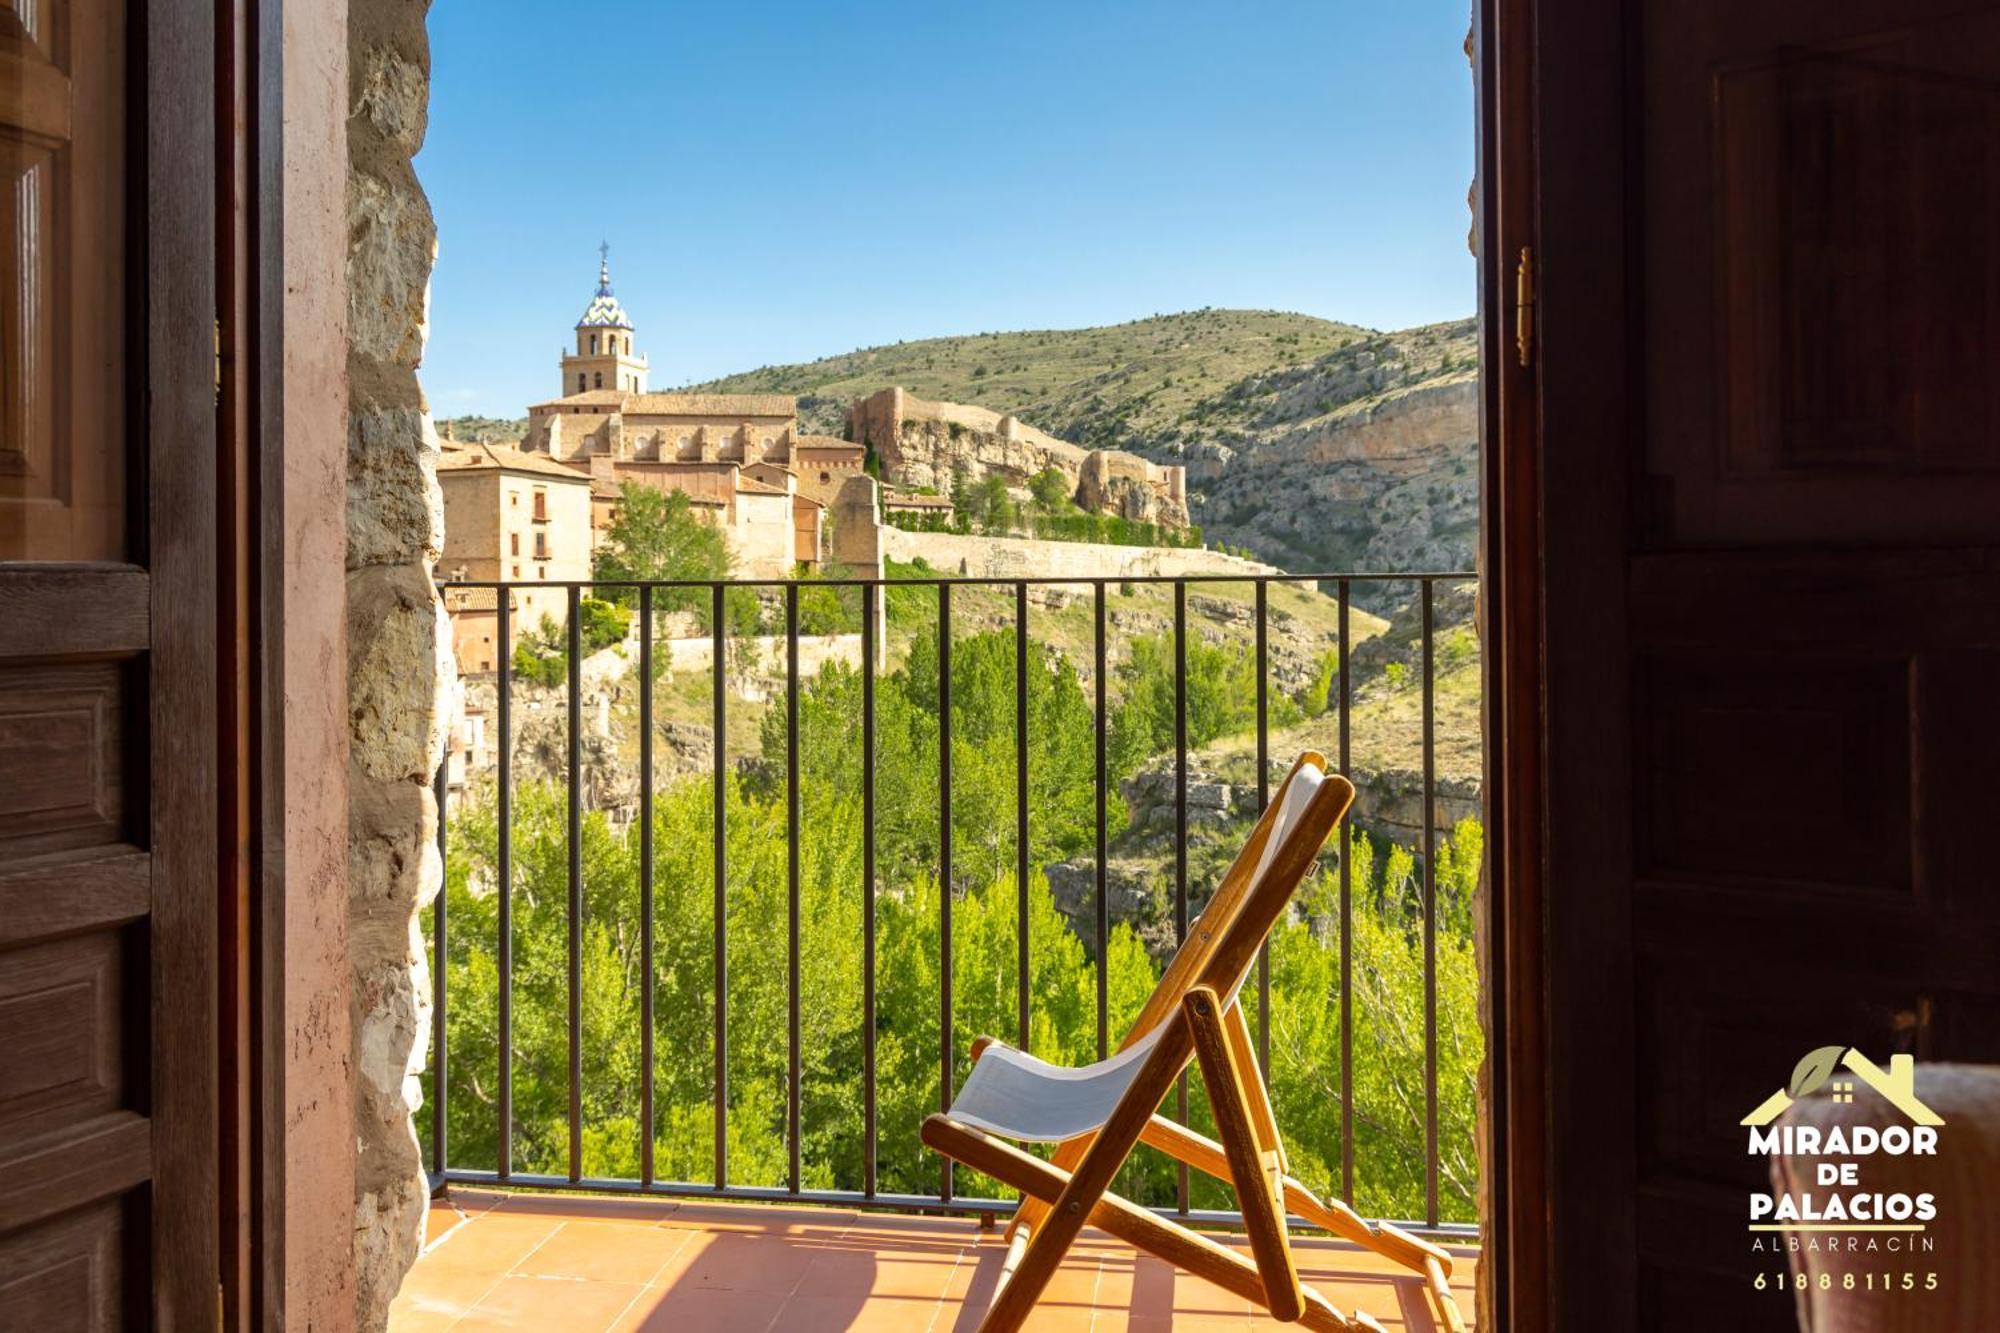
<point x="1441" y="1297"/>
<point x="1206" y="1155"/>
<point x="1139" y="1227"/>
<point x="1263" y="1214"/>
<point x="1254" y="1087"/>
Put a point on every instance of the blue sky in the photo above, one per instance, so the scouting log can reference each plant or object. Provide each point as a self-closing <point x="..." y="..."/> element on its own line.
<point x="782" y="181"/>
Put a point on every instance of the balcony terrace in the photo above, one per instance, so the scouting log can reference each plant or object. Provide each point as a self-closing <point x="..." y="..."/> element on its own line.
<point x="764" y="931"/>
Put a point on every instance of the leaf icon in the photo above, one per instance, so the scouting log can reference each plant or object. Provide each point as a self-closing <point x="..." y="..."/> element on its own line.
<point x="1814" y="1070"/>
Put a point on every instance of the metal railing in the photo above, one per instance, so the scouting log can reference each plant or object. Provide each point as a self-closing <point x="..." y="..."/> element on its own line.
<point x="502" y="1172"/>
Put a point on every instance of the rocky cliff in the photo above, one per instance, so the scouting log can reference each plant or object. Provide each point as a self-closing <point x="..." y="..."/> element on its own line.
<point x="1387" y="483"/>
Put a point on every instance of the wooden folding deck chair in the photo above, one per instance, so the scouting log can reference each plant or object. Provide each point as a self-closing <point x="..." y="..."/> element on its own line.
<point x="1098" y="1113"/>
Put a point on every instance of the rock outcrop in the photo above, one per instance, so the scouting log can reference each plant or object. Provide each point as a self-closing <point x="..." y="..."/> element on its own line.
<point x="1390" y="482"/>
<point x="936" y="446"/>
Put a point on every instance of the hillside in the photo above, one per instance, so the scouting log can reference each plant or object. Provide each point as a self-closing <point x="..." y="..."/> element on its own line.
<point x="1075" y="383"/>
<point x="1312" y="443"/>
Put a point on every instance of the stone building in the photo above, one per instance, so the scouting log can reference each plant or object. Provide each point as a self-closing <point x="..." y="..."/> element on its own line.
<point x="740" y="457"/>
<point x="514" y="516"/>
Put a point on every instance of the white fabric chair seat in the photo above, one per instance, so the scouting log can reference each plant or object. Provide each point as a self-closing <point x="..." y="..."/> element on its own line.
<point x="1016" y="1096"/>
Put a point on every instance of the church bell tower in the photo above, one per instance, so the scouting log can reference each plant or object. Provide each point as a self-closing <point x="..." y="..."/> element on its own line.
<point x="603" y="358"/>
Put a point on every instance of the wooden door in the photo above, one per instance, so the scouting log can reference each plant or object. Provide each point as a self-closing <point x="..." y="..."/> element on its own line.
<point x="108" y="852"/>
<point x="1766" y="487"/>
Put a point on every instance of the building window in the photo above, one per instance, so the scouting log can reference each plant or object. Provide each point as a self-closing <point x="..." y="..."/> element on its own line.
<point x="541" y="505"/>
<point x="541" y="571"/>
<point x="541" y="546"/>
<point x="628" y="346"/>
<point x="580" y="384"/>
<point x="516" y="574"/>
<point x="513" y="543"/>
<point x="600" y="379"/>
<point x="824" y="477"/>
<point x="593" y="344"/>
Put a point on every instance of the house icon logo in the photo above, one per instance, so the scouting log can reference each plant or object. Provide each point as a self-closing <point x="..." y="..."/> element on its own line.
<point x="1845" y="1177"/>
<point x="1839" y="1069"/>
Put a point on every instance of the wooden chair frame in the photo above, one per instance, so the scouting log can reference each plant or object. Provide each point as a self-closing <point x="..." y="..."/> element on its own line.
<point x="1204" y="1024"/>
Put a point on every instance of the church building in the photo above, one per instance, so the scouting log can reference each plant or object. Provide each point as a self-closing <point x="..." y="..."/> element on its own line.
<point x="739" y="456"/>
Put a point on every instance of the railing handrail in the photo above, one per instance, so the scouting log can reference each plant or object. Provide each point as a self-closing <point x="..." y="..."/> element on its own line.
<point x="974" y="580"/>
<point x="871" y="608"/>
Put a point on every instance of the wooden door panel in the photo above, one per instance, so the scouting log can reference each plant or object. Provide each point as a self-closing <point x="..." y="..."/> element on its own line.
<point x="1769" y="769"/>
<point x="107" y="648"/>
<point x="64" y="187"/>
<point x="1809" y="739"/>
<point x="1824" y="290"/>
<point x="62" y="754"/>
<point x="70" y="1272"/>
<point x="63" y="1006"/>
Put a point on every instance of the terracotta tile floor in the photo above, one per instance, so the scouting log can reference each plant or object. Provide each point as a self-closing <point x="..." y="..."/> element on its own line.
<point x="520" y="1261"/>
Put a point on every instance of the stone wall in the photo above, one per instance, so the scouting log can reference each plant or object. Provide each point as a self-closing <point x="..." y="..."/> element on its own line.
<point x="1020" y="557"/>
<point x="398" y="645"/>
<point x="930" y="444"/>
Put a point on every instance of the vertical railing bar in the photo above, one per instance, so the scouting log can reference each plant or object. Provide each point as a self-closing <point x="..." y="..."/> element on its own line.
<point x="1180" y="840"/>
<point x="1103" y="912"/>
<point x="439" y="1068"/>
<point x="869" y="604"/>
<point x="573" y="642"/>
<point x="1346" y="920"/>
<point x="1021" y="810"/>
<point x="646" y="997"/>
<point x="1430" y="909"/>
<point x="720" y="792"/>
<point x="792" y="823"/>
<point x="1263" y="798"/>
<point x="944" y="872"/>
<point x="504" y="913"/>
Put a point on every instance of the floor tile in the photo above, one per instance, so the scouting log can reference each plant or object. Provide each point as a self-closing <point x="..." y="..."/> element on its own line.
<point x="857" y="1314"/>
<point x="542" y="1304"/>
<point x="845" y="1272"/>
<point x="701" y="1310"/>
<point x="598" y="1251"/>
<point x="434" y="1298"/>
<point x="491" y="1244"/>
<point x="748" y="1261"/>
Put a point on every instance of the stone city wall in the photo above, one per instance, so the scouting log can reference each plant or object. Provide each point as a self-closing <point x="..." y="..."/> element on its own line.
<point x="931" y="444"/>
<point x="1021" y="557"/>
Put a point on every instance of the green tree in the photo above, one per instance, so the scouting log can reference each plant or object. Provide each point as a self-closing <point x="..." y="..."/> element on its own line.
<point x="658" y="536"/>
<point x="1050" y="489"/>
<point x="541" y="657"/>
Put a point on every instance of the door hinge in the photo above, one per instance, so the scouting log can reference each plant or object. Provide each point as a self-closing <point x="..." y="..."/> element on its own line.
<point x="1524" y="306"/>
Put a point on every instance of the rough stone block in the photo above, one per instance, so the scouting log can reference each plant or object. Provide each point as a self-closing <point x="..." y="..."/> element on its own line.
<point x="399" y="649"/>
<point x="395" y="508"/>
<point x="391" y="244"/>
